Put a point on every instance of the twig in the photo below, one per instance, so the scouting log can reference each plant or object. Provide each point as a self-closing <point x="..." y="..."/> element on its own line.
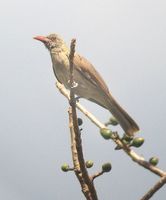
<point x="133" y="155"/>
<point x="71" y="58"/>
<point x="154" y="189"/>
<point x="76" y="146"/>
<point x="76" y="160"/>
<point x="97" y="175"/>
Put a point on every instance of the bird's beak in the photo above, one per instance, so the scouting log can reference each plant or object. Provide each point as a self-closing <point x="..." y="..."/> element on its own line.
<point x="41" y="38"/>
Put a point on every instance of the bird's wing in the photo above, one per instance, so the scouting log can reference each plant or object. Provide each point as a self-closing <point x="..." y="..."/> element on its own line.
<point x="89" y="72"/>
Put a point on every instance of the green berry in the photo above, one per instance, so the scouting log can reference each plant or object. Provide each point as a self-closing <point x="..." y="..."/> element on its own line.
<point x="106" y="167"/>
<point x="80" y="121"/>
<point x="89" y="163"/>
<point x="106" y="133"/>
<point x="137" y="142"/>
<point x="65" y="167"/>
<point x="113" y="121"/>
<point x="154" y="161"/>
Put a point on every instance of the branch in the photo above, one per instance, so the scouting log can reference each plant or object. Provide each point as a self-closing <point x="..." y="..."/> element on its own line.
<point x="154" y="189"/>
<point x="97" y="175"/>
<point x="133" y="155"/>
<point x="76" y="145"/>
<point x="78" y="160"/>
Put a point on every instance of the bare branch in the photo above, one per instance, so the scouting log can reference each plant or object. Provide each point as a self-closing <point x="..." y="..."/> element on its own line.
<point x="96" y="175"/>
<point x="87" y="186"/>
<point x="134" y="156"/>
<point x="154" y="189"/>
<point x="78" y="160"/>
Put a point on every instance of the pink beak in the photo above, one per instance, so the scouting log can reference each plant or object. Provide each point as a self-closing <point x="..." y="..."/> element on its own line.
<point x="41" y="38"/>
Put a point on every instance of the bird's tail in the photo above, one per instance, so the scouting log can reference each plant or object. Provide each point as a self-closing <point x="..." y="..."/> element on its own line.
<point x="126" y="122"/>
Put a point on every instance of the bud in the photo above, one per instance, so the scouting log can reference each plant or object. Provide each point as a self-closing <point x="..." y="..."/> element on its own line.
<point x="113" y="121"/>
<point x="89" y="163"/>
<point x="106" y="133"/>
<point x="154" y="161"/>
<point x="65" y="167"/>
<point x="80" y="121"/>
<point x="106" y="167"/>
<point x="137" y="142"/>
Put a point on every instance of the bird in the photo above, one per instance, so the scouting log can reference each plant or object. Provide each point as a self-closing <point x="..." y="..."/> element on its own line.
<point x="89" y="83"/>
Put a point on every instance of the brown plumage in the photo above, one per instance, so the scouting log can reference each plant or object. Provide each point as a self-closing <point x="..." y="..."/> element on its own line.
<point x="90" y="84"/>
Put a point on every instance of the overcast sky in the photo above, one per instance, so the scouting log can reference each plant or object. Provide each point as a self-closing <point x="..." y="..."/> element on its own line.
<point x="126" y="41"/>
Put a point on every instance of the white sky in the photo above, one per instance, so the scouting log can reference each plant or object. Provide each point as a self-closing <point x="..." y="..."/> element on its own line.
<point x="125" y="40"/>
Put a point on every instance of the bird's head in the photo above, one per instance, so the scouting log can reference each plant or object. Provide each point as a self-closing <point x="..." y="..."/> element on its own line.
<point x="52" y="41"/>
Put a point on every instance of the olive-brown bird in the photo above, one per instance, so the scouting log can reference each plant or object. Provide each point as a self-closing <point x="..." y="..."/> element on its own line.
<point x="89" y="83"/>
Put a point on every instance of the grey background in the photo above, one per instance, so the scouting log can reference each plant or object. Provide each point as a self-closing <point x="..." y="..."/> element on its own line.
<point x="125" y="40"/>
